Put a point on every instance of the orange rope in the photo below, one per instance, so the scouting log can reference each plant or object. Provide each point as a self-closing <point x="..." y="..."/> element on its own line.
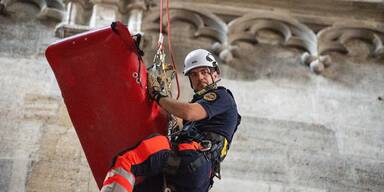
<point x="160" y="45"/>
<point x="170" y="50"/>
<point x="161" y="16"/>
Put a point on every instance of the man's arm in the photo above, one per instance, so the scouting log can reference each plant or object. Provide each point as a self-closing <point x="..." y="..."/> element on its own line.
<point x="186" y="111"/>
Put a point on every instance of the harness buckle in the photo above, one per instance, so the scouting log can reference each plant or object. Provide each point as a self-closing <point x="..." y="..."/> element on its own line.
<point x="167" y="189"/>
<point x="206" y="145"/>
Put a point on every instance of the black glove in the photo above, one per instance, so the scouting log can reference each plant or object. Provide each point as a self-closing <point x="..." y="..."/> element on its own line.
<point x="157" y="95"/>
<point x="154" y="90"/>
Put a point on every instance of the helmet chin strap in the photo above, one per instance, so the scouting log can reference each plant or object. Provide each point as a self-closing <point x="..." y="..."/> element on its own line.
<point x="207" y="88"/>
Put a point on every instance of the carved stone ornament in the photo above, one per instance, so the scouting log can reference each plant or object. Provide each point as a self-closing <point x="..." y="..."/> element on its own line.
<point x="83" y="15"/>
<point x="246" y="29"/>
<point x="255" y="27"/>
<point x="334" y="38"/>
<point x="205" y="23"/>
<point x="293" y="33"/>
<point x="48" y="8"/>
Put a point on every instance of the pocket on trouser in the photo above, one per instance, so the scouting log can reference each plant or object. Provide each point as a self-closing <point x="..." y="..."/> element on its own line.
<point x="192" y="181"/>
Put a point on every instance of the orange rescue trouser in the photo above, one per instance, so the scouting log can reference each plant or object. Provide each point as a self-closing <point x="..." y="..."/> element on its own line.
<point x="120" y="177"/>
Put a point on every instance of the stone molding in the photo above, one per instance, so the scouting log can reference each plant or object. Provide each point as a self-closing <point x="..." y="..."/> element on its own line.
<point x="334" y="38"/>
<point x="245" y="28"/>
<point x="53" y="9"/>
<point x="294" y="34"/>
<point x="84" y="15"/>
<point x="206" y="24"/>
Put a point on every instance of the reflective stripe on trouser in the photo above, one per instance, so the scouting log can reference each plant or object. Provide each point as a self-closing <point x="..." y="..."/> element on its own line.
<point x="120" y="178"/>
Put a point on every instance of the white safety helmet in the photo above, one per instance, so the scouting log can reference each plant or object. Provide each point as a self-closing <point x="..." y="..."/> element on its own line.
<point x="199" y="58"/>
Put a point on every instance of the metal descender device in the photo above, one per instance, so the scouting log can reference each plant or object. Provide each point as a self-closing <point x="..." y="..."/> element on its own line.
<point x="163" y="73"/>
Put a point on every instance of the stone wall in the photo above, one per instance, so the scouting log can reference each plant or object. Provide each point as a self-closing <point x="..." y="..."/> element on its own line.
<point x="301" y="131"/>
<point x="39" y="149"/>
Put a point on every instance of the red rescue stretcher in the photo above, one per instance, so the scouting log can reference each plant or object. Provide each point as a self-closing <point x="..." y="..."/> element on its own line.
<point x="103" y="82"/>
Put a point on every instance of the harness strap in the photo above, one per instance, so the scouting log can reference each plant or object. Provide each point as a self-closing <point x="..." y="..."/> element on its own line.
<point x="220" y="146"/>
<point x="195" y="146"/>
<point x="215" y="152"/>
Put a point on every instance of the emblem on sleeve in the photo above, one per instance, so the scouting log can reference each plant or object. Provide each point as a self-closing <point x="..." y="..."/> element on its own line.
<point x="211" y="96"/>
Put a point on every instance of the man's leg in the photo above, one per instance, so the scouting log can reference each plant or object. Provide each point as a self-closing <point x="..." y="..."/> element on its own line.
<point x="194" y="174"/>
<point x="147" y="159"/>
<point x="153" y="183"/>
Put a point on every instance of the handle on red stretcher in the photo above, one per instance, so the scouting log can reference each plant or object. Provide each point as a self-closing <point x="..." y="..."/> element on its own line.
<point x="124" y="34"/>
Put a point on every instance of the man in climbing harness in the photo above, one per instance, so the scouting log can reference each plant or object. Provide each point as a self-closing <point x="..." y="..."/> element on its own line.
<point x="190" y="159"/>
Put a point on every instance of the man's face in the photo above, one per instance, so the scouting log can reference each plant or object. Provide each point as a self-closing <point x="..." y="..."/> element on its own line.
<point x="201" y="77"/>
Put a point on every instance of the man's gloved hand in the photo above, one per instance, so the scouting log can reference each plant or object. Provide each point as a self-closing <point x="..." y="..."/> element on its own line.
<point x="154" y="90"/>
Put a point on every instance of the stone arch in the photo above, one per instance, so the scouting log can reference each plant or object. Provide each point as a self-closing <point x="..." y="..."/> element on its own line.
<point x="244" y="29"/>
<point x="53" y="9"/>
<point x="205" y="23"/>
<point x="294" y="33"/>
<point x="334" y="38"/>
<point x="203" y="26"/>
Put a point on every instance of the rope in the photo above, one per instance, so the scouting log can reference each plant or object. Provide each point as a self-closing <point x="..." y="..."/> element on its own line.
<point x="170" y="50"/>
<point x="160" y="44"/>
<point x="161" y="16"/>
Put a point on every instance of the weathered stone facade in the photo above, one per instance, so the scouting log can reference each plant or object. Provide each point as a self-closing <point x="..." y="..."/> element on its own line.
<point x="308" y="77"/>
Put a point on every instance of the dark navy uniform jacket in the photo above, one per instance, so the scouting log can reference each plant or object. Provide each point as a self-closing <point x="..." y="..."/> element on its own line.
<point x="223" y="117"/>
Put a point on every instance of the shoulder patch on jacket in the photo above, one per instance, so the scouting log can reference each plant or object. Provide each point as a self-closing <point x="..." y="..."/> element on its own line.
<point x="211" y="96"/>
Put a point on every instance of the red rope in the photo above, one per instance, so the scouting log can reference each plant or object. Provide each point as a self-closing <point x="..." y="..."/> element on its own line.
<point x="161" y="16"/>
<point x="160" y="45"/>
<point x="170" y="50"/>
